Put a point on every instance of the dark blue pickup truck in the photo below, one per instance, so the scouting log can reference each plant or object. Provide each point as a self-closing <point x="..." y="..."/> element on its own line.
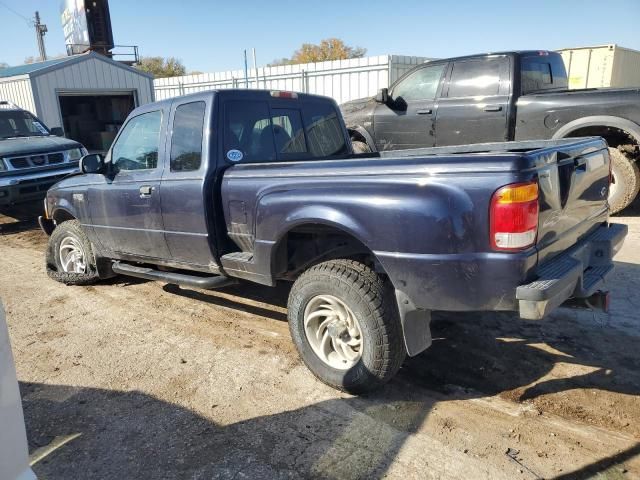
<point x="210" y="188"/>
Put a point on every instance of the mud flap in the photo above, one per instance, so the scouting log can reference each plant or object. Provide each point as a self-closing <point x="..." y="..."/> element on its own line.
<point x="415" y="323"/>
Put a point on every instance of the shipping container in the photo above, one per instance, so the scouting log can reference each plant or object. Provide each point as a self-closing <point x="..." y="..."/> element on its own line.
<point x="602" y="66"/>
<point x="343" y="80"/>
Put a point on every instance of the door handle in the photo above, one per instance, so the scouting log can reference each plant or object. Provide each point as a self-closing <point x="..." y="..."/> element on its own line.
<point x="145" y="191"/>
<point x="493" y="108"/>
<point x="424" y="111"/>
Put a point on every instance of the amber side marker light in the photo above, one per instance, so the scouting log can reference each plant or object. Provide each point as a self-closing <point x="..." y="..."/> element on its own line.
<point x="514" y="216"/>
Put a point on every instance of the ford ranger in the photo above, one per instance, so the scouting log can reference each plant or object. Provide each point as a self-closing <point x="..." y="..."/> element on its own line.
<point x="215" y="187"/>
<point x="500" y="97"/>
<point x="32" y="158"/>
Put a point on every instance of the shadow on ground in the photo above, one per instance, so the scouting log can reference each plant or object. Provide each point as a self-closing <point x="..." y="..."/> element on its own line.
<point x="134" y="435"/>
<point x="20" y="217"/>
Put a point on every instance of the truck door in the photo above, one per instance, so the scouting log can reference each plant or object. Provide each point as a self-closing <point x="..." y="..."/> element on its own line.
<point x="184" y="198"/>
<point x="474" y="102"/>
<point x="125" y="209"/>
<point x="407" y="120"/>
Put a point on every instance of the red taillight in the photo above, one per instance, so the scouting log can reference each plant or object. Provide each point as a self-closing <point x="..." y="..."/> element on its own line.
<point x="281" y="94"/>
<point x="514" y="216"/>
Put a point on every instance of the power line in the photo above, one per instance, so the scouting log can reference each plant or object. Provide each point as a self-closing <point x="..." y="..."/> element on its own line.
<point x="28" y="20"/>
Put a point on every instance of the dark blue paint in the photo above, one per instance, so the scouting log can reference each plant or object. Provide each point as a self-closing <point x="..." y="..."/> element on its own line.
<point x="424" y="214"/>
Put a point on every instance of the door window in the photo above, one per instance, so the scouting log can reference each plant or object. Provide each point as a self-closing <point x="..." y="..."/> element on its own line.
<point x="420" y="85"/>
<point x="473" y="78"/>
<point x="137" y="145"/>
<point x="186" y="140"/>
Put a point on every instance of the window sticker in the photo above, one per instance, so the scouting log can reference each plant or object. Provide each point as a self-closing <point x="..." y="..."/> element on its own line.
<point x="235" y="155"/>
<point x="40" y="128"/>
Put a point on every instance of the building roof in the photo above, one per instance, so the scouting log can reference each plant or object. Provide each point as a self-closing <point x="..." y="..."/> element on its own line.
<point x="31" y="67"/>
<point x="37" y="67"/>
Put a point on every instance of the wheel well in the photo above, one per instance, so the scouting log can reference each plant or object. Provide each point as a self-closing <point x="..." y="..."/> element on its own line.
<point x="357" y="136"/>
<point x="615" y="137"/>
<point x="309" y="244"/>
<point x="60" y="216"/>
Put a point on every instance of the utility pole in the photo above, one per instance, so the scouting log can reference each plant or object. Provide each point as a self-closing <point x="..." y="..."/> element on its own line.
<point x="255" y="67"/>
<point x="41" y="29"/>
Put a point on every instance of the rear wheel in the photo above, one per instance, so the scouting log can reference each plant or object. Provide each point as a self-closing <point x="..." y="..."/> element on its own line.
<point x="625" y="181"/>
<point x="70" y="258"/>
<point x="345" y="325"/>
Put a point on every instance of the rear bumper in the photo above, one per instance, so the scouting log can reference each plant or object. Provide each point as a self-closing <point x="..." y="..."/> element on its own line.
<point x="497" y="281"/>
<point x="23" y="188"/>
<point x="577" y="273"/>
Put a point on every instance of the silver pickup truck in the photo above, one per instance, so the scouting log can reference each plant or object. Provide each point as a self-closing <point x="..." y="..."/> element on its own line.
<point x="32" y="157"/>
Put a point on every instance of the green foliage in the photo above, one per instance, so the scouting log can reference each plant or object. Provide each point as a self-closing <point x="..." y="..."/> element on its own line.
<point x="162" y="67"/>
<point x="328" y="49"/>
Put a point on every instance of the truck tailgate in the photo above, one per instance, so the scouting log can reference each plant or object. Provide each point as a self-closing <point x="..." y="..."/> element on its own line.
<point x="573" y="188"/>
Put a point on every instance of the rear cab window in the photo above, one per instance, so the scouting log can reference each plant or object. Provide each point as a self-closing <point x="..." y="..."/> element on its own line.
<point x="542" y="72"/>
<point x="282" y="130"/>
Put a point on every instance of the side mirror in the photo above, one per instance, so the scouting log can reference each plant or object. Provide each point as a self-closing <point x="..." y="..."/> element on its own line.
<point x="92" y="163"/>
<point x="383" y="95"/>
<point x="57" y="131"/>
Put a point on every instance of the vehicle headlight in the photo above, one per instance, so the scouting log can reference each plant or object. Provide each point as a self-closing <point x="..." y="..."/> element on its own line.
<point x="74" y="154"/>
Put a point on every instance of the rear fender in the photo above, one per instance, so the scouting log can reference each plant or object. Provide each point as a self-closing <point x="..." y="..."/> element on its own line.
<point x="415" y="322"/>
<point x="628" y="126"/>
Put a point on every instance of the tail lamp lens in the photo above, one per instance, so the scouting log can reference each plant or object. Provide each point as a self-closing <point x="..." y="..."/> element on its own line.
<point x="514" y="216"/>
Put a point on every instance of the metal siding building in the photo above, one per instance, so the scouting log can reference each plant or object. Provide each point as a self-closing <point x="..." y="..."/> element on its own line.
<point x="341" y="79"/>
<point x="75" y="92"/>
<point x="602" y="66"/>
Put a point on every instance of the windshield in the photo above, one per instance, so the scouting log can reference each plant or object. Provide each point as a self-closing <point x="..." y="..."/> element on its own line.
<point x="19" y="123"/>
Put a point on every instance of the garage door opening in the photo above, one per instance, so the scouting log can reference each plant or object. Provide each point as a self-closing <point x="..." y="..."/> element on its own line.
<point x="94" y="120"/>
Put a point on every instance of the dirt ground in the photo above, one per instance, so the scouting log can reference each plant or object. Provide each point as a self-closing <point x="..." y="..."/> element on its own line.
<point x="166" y="382"/>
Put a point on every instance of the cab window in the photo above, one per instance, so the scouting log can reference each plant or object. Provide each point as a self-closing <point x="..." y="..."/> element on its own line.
<point x="257" y="133"/>
<point x="473" y="78"/>
<point x="542" y="72"/>
<point x="186" y="140"/>
<point x="419" y="85"/>
<point x="137" y="145"/>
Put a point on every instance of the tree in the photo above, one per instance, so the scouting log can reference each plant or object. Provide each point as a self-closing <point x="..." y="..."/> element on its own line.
<point x="162" y="67"/>
<point x="328" y="49"/>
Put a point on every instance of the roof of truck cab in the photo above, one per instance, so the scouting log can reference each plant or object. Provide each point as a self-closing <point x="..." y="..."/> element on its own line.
<point x="494" y="54"/>
<point x="243" y="92"/>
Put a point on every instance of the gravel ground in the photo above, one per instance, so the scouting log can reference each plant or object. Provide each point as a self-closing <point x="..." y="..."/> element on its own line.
<point x="164" y="382"/>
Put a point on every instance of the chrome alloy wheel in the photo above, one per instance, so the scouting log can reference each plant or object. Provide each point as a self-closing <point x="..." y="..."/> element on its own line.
<point x="72" y="256"/>
<point x="333" y="331"/>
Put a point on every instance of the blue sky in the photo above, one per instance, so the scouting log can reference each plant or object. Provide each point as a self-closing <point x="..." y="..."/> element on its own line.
<point x="211" y="35"/>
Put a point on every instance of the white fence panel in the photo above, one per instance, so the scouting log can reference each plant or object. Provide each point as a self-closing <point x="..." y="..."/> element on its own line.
<point x="343" y="80"/>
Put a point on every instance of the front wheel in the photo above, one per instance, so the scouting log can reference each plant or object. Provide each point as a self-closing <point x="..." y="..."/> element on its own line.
<point x="360" y="147"/>
<point x="70" y="258"/>
<point x="345" y="325"/>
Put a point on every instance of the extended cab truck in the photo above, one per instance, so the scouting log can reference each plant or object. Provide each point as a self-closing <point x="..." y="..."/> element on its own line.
<point x="213" y="187"/>
<point x="500" y="97"/>
<point x="32" y="158"/>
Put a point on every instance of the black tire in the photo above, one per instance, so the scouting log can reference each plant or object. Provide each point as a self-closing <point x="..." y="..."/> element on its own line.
<point x="360" y="147"/>
<point x="625" y="183"/>
<point x="371" y="300"/>
<point x="70" y="229"/>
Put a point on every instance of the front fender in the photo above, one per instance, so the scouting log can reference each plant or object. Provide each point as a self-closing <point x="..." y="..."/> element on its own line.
<point x="365" y="134"/>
